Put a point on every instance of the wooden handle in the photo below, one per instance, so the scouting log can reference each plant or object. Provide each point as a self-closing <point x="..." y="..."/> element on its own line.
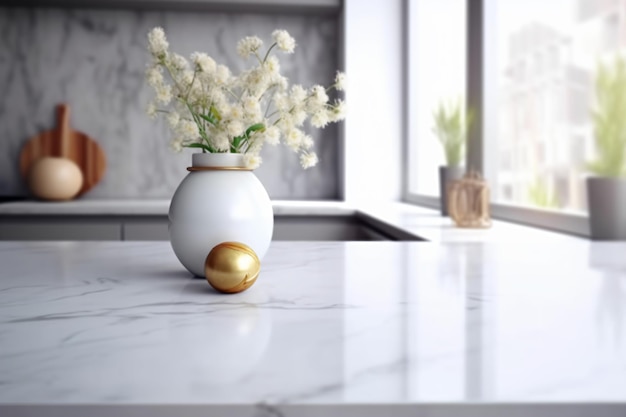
<point x="63" y="127"/>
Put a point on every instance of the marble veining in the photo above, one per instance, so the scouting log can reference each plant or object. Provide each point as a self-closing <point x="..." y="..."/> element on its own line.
<point x="94" y="60"/>
<point x="353" y="324"/>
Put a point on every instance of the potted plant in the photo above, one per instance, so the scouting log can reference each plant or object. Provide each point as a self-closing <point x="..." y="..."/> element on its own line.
<point x="451" y="127"/>
<point x="606" y="189"/>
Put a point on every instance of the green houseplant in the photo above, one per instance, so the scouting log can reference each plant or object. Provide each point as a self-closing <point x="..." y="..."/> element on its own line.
<point x="452" y="124"/>
<point x="606" y="189"/>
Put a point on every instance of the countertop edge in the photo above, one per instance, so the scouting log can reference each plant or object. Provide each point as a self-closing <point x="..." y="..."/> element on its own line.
<point x="399" y="220"/>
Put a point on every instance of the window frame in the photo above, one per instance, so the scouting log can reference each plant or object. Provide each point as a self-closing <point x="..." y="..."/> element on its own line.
<point x="480" y="66"/>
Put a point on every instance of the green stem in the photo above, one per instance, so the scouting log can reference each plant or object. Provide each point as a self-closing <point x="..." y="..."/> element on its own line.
<point x="267" y="54"/>
<point x="191" y="85"/>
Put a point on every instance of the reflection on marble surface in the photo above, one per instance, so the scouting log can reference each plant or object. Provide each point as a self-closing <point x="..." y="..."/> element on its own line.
<point x="95" y="60"/>
<point x="327" y="324"/>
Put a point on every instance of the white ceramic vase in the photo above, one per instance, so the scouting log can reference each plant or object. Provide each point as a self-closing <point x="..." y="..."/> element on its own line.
<point x="218" y="201"/>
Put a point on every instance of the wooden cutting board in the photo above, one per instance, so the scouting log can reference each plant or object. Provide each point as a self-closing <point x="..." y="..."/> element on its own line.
<point x="65" y="142"/>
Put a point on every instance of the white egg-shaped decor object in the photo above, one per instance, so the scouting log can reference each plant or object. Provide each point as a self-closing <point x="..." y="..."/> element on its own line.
<point x="55" y="178"/>
<point x="220" y="200"/>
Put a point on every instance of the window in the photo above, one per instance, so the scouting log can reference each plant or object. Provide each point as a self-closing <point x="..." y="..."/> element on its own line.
<point x="539" y="62"/>
<point x="555" y="101"/>
<point x="437" y="41"/>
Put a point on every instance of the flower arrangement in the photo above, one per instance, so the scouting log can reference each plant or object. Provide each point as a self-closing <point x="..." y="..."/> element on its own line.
<point x="209" y="108"/>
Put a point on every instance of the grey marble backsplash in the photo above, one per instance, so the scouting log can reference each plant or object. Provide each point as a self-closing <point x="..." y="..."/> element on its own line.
<point x="94" y="60"/>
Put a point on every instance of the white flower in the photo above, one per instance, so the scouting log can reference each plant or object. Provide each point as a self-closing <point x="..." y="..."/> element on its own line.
<point x="173" y="118"/>
<point x="280" y="81"/>
<point x="222" y="75"/>
<point x="164" y="94"/>
<point x="256" y="81"/>
<point x="252" y="161"/>
<point x="318" y="96"/>
<point x="308" y="160"/>
<point x="340" y="81"/>
<point x="284" y="41"/>
<point x="298" y="117"/>
<point x="272" y="135"/>
<point x="154" y="77"/>
<point x="249" y="45"/>
<point x="236" y="113"/>
<point x="338" y="111"/>
<point x="179" y="62"/>
<point x="151" y="111"/>
<point x="272" y="65"/>
<point x="297" y="95"/>
<point x="177" y="145"/>
<point x="252" y="107"/>
<point x="188" y="130"/>
<point x="186" y="78"/>
<point x="293" y="139"/>
<point x="306" y="142"/>
<point x="235" y="128"/>
<point x="203" y="62"/>
<point x="223" y="109"/>
<point x="157" y="43"/>
<point x="320" y="119"/>
<point x="221" y="141"/>
<point x="281" y="102"/>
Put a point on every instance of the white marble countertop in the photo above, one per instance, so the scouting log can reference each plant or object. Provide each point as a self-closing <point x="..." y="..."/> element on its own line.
<point x="397" y="219"/>
<point x="333" y="329"/>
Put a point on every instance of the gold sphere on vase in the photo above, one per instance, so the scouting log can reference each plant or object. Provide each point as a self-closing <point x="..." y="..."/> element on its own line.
<point x="231" y="267"/>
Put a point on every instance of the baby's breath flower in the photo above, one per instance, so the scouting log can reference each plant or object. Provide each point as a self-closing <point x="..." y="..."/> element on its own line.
<point x="223" y="109"/>
<point x="307" y="142"/>
<point x="221" y="141"/>
<point x="285" y="123"/>
<point x="235" y="128"/>
<point x="340" y="81"/>
<point x="298" y="117"/>
<point x="252" y="161"/>
<point x="320" y="119"/>
<point x="297" y="94"/>
<point x="308" y="160"/>
<point x="272" y="135"/>
<point x="177" y="145"/>
<point x="188" y="130"/>
<point x="203" y="62"/>
<point x="256" y="81"/>
<point x="318" y="95"/>
<point x="236" y="113"/>
<point x="293" y="139"/>
<point x="249" y="45"/>
<point x="281" y="82"/>
<point x="284" y="41"/>
<point x="157" y="42"/>
<point x="251" y="106"/>
<point x="151" y="110"/>
<point x="337" y="111"/>
<point x="173" y="118"/>
<point x="281" y="102"/>
<point x="272" y="65"/>
<point x="222" y="75"/>
<point x="154" y="77"/>
<point x="178" y="62"/>
<point x="164" y="94"/>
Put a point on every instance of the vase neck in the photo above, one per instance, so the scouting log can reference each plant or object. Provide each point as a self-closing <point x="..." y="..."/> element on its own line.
<point x="218" y="160"/>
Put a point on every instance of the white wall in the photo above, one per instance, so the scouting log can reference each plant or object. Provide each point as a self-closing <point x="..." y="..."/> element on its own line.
<point x="373" y="44"/>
